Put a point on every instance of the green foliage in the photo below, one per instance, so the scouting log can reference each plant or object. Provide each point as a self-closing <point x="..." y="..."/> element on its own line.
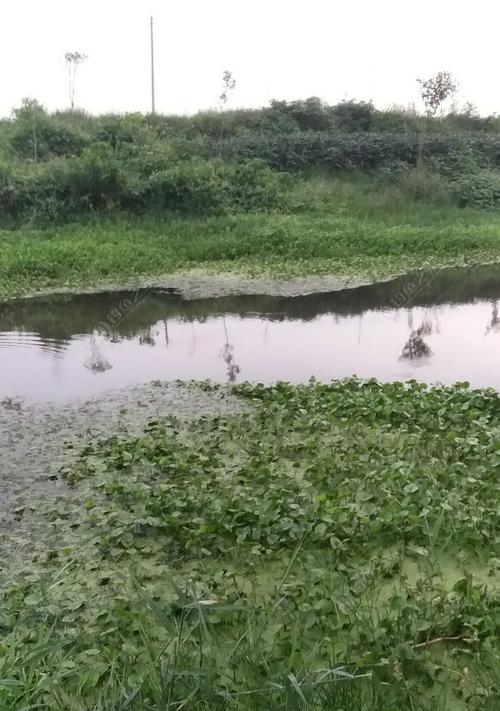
<point x="480" y="189"/>
<point x="213" y="162"/>
<point x="354" y="116"/>
<point x="333" y="151"/>
<point x="213" y="187"/>
<point x="348" y="228"/>
<point x="418" y="184"/>
<point x="372" y="212"/>
<point x="63" y="187"/>
<point x="96" y="181"/>
<point x="35" y="135"/>
<point x="327" y="547"/>
<point x="131" y="133"/>
<point x="366" y="151"/>
<point x="206" y="494"/>
<point x="309" y="115"/>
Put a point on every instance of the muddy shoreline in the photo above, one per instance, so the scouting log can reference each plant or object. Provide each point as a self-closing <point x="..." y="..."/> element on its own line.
<point x="200" y="284"/>
<point x="205" y="286"/>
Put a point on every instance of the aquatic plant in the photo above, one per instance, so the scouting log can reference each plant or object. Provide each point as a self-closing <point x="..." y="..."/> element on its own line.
<point x="329" y="547"/>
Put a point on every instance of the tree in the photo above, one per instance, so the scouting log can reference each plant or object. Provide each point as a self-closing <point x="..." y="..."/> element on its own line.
<point x="436" y="90"/>
<point x="228" y="85"/>
<point x="25" y="134"/>
<point x="73" y="60"/>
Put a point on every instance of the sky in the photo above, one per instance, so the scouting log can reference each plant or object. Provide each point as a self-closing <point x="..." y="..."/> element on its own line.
<point x="283" y="49"/>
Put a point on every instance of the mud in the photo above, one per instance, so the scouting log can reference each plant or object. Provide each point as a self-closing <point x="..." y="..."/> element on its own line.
<point x="196" y="285"/>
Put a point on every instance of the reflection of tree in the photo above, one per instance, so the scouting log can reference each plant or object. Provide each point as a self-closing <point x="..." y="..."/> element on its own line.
<point x="192" y="348"/>
<point x="266" y="330"/>
<point x="494" y="324"/>
<point x="359" y="327"/>
<point x="96" y="362"/>
<point x="415" y="346"/>
<point x="147" y="341"/>
<point x="146" y="338"/>
<point x="228" y="356"/>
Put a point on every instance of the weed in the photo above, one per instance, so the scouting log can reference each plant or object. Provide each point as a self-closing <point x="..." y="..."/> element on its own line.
<point x="331" y="547"/>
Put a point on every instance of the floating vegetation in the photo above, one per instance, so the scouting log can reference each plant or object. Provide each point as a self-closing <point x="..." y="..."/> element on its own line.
<point x="329" y="547"/>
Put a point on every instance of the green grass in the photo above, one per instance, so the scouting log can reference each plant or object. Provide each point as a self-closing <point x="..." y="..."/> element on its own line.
<point x="329" y="547"/>
<point x="124" y="251"/>
<point x="346" y="227"/>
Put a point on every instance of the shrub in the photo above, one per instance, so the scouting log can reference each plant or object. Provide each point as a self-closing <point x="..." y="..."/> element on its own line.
<point x="97" y="181"/>
<point x="481" y="189"/>
<point x="52" y="140"/>
<point x="354" y="116"/>
<point x="62" y="187"/>
<point x="333" y="151"/>
<point x="308" y="115"/>
<point x="129" y="134"/>
<point x="417" y="183"/>
<point x="35" y="133"/>
<point x="208" y="187"/>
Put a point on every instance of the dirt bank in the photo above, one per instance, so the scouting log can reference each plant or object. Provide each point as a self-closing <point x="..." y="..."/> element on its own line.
<point x="196" y="285"/>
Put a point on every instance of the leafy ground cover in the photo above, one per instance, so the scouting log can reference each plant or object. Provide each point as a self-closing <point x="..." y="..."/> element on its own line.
<point x="328" y="547"/>
<point x="340" y="239"/>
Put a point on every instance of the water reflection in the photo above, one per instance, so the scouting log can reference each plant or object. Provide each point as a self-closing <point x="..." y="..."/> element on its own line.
<point x="232" y="367"/>
<point x="411" y="327"/>
<point x="96" y="362"/>
<point x="415" y="346"/>
<point x="494" y="324"/>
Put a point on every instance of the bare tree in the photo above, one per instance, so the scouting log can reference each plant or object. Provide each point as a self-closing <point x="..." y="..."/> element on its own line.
<point x="73" y="60"/>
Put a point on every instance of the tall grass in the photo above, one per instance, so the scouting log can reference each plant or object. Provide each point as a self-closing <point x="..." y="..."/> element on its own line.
<point x="212" y="657"/>
<point x="405" y="193"/>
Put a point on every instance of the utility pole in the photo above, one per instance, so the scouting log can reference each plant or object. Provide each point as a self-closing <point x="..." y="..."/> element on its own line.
<point x="152" y="70"/>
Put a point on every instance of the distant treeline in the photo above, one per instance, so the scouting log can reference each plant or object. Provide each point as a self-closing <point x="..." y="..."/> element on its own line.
<point x="60" y="165"/>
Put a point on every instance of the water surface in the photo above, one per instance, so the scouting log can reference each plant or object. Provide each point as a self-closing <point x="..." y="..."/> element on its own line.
<point x="439" y="326"/>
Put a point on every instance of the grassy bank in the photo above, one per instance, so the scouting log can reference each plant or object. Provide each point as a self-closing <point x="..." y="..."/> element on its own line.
<point x="329" y="547"/>
<point x="297" y="188"/>
<point x="336" y="228"/>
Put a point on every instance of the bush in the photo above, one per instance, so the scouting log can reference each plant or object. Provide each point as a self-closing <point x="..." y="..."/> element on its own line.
<point x="481" y="190"/>
<point x="416" y="183"/>
<point x="129" y="134"/>
<point x="62" y="187"/>
<point x="354" y="116"/>
<point x="36" y="135"/>
<point x="210" y="187"/>
<point x="333" y="151"/>
<point x="97" y="181"/>
<point x="52" y="140"/>
<point x="308" y="115"/>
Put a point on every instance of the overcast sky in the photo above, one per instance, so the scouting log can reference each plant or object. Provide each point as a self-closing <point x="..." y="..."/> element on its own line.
<point x="285" y="49"/>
